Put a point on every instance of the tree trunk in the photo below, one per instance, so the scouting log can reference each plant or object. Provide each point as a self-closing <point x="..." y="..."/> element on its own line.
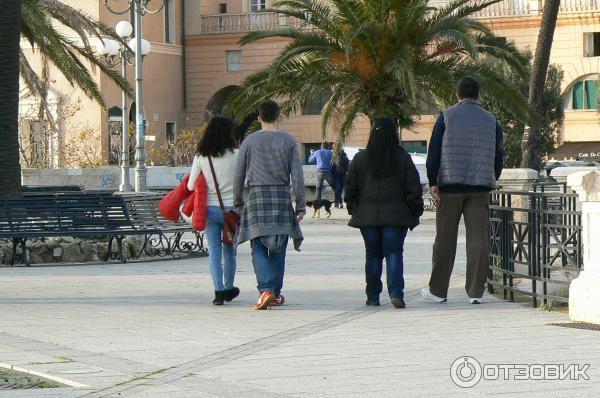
<point x="530" y="156"/>
<point x="10" y="169"/>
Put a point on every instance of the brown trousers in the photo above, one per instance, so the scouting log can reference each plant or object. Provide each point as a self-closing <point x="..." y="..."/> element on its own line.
<point x="474" y="207"/>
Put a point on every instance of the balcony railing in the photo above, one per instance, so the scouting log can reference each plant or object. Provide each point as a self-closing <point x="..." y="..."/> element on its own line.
<point x="506" y="9"/>
<point x="237" y="23"/>
<point x="576" y="6"/>
<point x="240" y="23"/>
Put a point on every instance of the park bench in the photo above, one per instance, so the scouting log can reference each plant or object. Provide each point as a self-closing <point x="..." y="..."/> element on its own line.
<point x="44" y="190"/>
<point x="93" y="215"/>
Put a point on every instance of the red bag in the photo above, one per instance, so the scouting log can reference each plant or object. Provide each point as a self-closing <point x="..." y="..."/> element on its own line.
<point x="170" y="204"/>
<point x="231" y="220"/>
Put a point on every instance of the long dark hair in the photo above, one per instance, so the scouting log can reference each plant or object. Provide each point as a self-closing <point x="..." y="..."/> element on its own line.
<point x="383" y="148"/>
<point x="218" y="138"/>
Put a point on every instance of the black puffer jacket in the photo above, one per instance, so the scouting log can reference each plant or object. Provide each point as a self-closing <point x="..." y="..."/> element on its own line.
<point x="391" y="201"/>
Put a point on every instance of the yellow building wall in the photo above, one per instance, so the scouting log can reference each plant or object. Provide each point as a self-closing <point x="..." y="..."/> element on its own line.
<point x="163" y="78"/>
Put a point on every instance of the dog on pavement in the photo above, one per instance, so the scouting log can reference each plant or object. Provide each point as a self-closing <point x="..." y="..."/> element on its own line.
<point x="317" y="205"/>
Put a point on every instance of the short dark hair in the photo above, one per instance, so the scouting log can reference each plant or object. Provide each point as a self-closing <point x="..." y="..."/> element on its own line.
<point x="268" y="111"/>
<point x="217" y="138"/>
<point x="468" y="87"/>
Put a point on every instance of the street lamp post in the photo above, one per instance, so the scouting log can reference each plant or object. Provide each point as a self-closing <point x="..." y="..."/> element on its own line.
<point x="110" y="49"/>
<point x="140" y="7"/>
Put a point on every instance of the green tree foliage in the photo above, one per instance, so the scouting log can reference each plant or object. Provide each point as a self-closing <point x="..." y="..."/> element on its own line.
<point x="376" y="57"/>
<point x="550" y="117"/>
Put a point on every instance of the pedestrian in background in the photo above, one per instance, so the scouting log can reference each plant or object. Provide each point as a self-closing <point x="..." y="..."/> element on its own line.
<point x="384" y="198"/>
<point x="268" y="159"/>
<point x="340" y="168"/>
<point x="464" y="161"/>
<point x="219" y="144"/>
<point x="324" y="161"/>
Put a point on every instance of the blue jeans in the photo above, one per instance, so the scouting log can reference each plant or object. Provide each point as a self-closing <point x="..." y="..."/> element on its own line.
<point x="221" y="258"/>
<point x="269" y="266"/>
<point x="321" y="177"/>
<point x="388" y="243"/>
<point x="339" y="188"/>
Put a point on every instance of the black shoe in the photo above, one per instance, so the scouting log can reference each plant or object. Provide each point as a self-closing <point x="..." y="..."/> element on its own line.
<point x="398" y="303"/>
<point x="230" y="294"/>
<point x="372" y="303"/>
<point x="219" y="297"/>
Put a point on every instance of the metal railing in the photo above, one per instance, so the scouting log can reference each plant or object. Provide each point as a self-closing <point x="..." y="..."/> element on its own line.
<point x="535" y="243"/>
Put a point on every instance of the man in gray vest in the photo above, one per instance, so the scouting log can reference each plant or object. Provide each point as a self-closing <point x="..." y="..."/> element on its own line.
<point x="464" y="161"/>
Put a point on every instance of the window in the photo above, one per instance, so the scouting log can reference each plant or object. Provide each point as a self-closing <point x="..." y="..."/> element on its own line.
<point x="591" y="44"/>
<point x="234" y="60"/>
<point x="170" y="21"/>
<point x="223" y="8"/>
<point x="170" y="131"/>
<point x="315" y="106"/>
<point x="257" y="5"/>
<point x="584" y="95"/>
<point x="415" y="146"/>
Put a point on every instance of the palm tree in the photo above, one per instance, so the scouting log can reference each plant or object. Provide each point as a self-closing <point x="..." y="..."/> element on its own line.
<point x="39" y="27"/>
<point x="374" y="57"/>
<point x="10" y="170"/>
<point x="530" y="154"/>
<point x="36" y="21"/>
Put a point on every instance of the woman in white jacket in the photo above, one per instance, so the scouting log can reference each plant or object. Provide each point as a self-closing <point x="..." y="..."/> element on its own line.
<point x="219" y="143"/>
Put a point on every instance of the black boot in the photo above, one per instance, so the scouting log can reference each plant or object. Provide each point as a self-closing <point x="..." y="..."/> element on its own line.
<point x="398" y="303"/>
<point x="230" y="294"/>
<point x="219" y="297"/>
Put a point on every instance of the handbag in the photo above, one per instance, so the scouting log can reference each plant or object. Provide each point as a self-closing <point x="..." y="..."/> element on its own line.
<point x="231" y="219"/>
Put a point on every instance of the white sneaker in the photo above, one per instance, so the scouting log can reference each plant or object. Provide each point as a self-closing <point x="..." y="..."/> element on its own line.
<point x="476" y="300"/>
<point x="426" y="294"/>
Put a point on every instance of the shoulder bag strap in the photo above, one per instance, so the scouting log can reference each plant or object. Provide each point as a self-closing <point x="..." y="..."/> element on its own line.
<point x="212" y="169"/>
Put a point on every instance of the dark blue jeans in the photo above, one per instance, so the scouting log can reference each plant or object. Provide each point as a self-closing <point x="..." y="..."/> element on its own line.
<point x="339" y="188"/>
<point x="388" y="243"/>
<point x="269" y="266"/>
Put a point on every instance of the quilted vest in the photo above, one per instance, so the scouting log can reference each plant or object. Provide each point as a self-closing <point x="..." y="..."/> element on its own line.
<point x="468" y="146"/>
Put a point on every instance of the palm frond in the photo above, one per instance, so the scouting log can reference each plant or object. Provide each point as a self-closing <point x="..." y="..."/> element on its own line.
<point x="373" y="57"/>
<point x="66" y="54"/>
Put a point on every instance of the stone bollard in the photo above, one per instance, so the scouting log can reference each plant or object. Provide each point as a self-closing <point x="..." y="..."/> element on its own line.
<point x="584" y="292"/>
<point x="518" y="179"/>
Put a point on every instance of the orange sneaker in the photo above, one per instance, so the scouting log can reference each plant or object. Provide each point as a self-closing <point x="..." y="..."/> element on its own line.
<point x="265" y="300"/>
<point x="279" y="300"/>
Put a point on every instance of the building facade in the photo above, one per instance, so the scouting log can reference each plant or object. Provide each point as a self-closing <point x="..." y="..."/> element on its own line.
<point x="83" y="122"/>
<point x="196" y="60"/>
<point x="214" y="61"/>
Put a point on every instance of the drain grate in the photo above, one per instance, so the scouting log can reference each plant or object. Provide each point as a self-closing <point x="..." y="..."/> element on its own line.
<point x="578" y="325"/>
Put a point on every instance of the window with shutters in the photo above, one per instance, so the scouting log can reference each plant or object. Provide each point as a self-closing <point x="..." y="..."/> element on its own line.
<point x="591" y="44"/>
<point x="584" y="95"/>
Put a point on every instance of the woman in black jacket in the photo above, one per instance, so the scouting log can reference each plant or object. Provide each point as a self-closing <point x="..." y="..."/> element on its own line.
<point x="384" y="198"/>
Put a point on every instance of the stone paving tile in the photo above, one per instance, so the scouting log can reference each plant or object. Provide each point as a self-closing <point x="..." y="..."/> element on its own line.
<point x="150" y="330"/>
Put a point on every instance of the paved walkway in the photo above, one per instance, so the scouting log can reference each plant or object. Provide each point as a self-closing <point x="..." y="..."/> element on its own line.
<point x="150" y="330"/>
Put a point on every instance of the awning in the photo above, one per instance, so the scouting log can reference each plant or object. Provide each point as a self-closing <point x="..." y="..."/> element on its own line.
<point x="586" y="150"/>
